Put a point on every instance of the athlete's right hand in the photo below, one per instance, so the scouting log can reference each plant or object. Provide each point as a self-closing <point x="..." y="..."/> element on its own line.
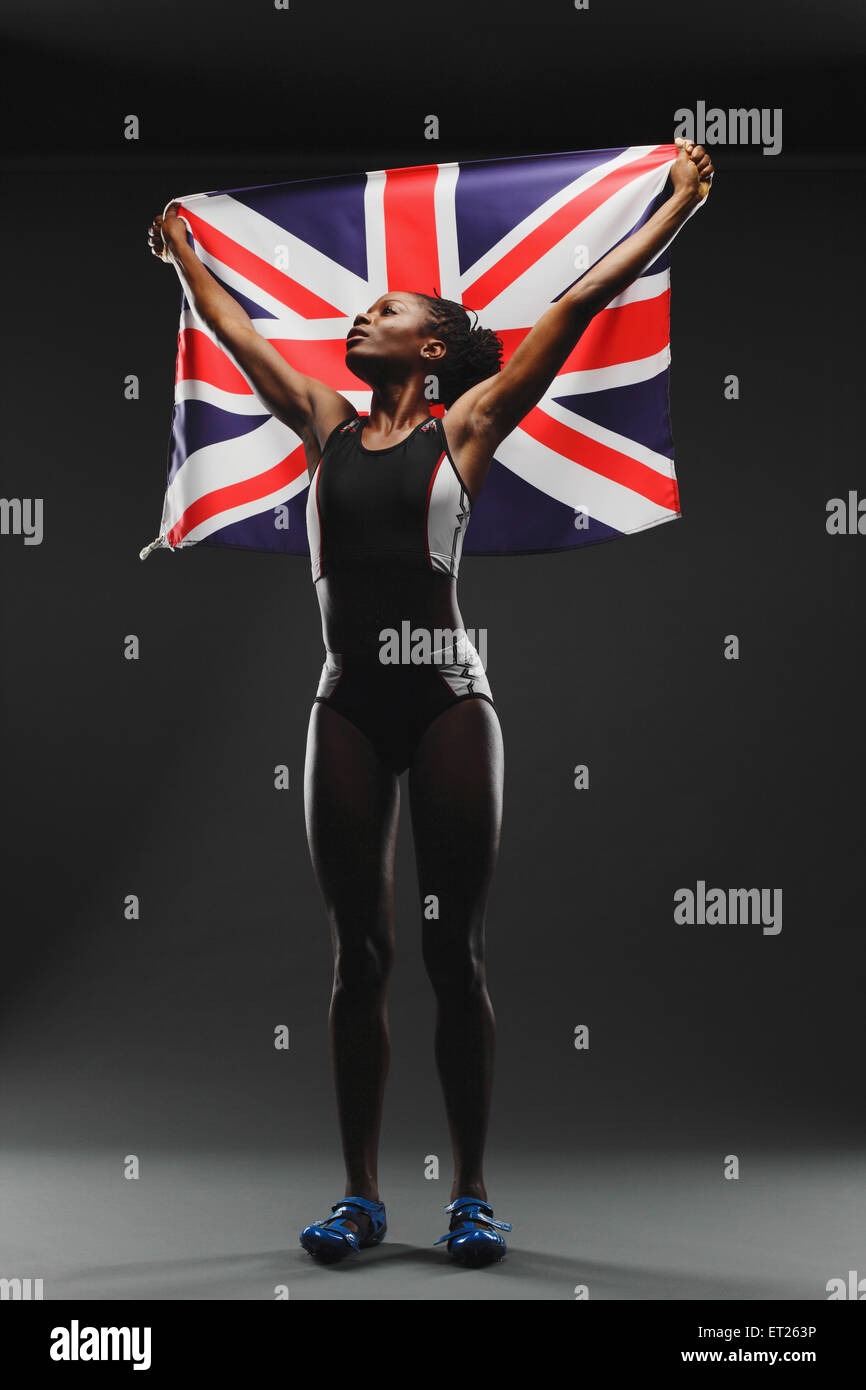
<point x="161" y="231"/>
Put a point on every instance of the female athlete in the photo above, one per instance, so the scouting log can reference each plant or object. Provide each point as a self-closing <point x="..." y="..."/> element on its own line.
<point x="389" y="499"/>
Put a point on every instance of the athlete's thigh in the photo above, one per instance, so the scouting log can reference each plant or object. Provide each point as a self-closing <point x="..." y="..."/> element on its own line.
<point x="351" y="802"/>
<point x="455" y="792"/>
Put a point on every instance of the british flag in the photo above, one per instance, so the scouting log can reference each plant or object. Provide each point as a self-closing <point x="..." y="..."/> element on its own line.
<point x="505" y="237"/>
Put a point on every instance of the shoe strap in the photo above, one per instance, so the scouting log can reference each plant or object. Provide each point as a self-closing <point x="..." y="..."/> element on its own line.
<point x="362" y="1204"/>
<point x="473" y="1209"/>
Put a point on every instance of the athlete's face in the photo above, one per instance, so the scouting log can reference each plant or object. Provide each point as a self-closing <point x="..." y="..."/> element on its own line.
<point x="391" y="331"/>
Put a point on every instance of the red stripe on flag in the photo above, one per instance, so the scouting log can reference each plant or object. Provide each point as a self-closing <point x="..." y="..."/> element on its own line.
<point x="199" y="359"/>
<point x="260" y="272"/>
<point x="623" y="334"/>
<point x="511" y="338"/>
<point x="566" y="219"/>
<point x="236" y="494"/>
<point x="411" y="248"/>
<point x="323" y="358"/>
<point x="601" y="459"/>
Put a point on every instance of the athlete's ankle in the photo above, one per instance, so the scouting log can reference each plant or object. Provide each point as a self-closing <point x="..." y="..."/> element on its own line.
<point x="469" y="1188"/>
<point x="368" y="1189"/>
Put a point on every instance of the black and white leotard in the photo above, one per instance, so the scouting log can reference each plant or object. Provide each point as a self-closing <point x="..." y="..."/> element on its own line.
<point x="385" y="529"/>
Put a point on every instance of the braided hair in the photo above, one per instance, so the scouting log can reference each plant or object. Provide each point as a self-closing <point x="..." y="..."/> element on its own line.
<point x="473" y="354"/>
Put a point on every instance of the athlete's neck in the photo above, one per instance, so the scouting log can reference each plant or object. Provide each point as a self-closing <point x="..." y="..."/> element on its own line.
<point x="395" y="411"/>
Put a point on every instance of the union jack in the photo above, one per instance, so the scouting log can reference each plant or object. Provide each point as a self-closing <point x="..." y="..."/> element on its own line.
<point x="505" y="237"/>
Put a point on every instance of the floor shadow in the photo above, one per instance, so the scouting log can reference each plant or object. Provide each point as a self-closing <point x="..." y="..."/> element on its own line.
<point x="255" y="1274"/>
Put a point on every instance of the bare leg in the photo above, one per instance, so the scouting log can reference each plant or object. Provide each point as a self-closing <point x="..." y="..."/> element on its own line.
<point x="352" y="805"/>
<point x="455" y="790"/>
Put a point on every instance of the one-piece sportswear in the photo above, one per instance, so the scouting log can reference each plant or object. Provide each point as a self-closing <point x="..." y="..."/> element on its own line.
<point x="385" y="530"/>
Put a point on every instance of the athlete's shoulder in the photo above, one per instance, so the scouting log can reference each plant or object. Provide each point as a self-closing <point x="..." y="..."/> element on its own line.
<point x="347" y="425"/>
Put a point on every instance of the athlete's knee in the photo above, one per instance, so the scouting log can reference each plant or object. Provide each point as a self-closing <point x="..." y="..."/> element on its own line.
<point x="454" y="960"/>
<point x="363" y="966"/>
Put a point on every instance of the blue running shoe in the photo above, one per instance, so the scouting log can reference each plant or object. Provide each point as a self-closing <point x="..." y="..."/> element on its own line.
<point x="332" y="1239"/>
<point x="474" y="1237"/>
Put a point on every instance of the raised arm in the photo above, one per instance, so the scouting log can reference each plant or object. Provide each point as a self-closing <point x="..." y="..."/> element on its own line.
<point x="481" y="418"/>
<point x="305" y="404"/>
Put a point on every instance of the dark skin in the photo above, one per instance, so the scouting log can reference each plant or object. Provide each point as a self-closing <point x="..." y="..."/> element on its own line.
<point x="353" y="844"/>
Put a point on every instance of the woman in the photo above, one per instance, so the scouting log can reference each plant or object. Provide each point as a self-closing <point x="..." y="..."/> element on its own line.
<point x="389" y="500"/>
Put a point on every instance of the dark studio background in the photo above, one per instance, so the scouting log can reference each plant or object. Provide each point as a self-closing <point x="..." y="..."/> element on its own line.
<point x="155" y="777"/>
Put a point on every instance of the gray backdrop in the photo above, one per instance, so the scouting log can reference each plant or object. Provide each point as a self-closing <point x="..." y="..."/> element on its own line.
<point x="155" y="777"/>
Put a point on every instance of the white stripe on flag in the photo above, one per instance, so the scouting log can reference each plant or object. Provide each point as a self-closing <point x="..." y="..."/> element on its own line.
<point x="526" y="297"/>
<point x="374" y="217"/>
<point x="659" y="463"/>
<point x="606" y="378"/>
<point x="227" y="462"/>
<point x="445" y="212"/>
<point x="547" y="209"/>
<point x="645" y="287"/>
<point x="606" y="501"/>
<point x="308" y="330"/>
<point x="236" y="404"/>
<point x="243" y="512"/>
<point x="313" y="269"/>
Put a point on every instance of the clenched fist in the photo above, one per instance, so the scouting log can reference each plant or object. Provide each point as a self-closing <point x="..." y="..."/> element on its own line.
<point x="163" y="229"/>
<point x="693" y="170"/>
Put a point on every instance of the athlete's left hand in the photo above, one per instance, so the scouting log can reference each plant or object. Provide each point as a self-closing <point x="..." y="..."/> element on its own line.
<point x="163" y="229"/>
<point x="693" y="171"/>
